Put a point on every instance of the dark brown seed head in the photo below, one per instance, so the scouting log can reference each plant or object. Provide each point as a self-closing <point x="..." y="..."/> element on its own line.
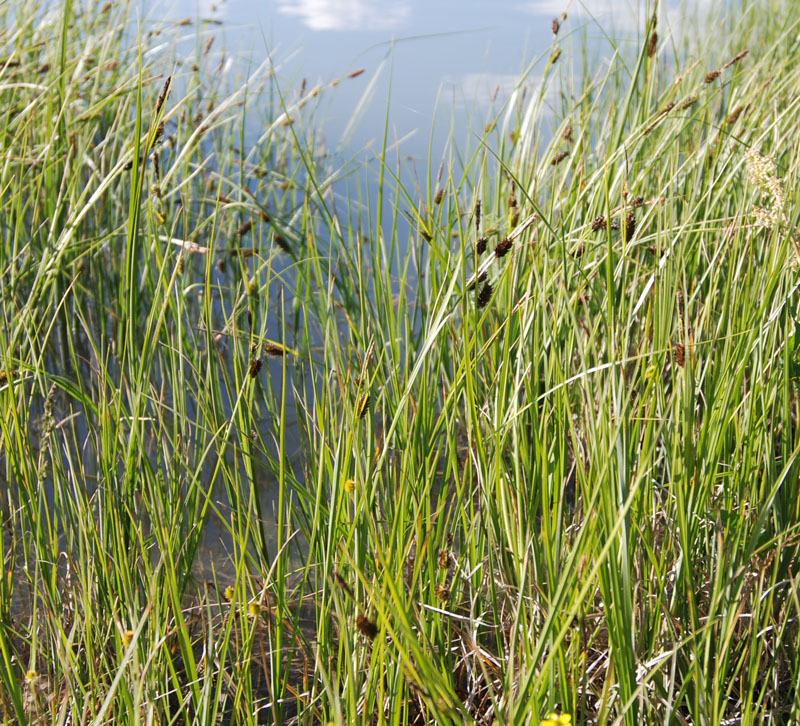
<point x="735" y="59"/>
<point x="159" y="133"/>
<point x="558" y="158"/>
<point x="484" y="295"/>
<point x="367" y="628"/>
<point x="478" y="216"/>
<point x="652" y="44"/>
<point x="343" y="584"/>
<point x="156" y="169"/>
<point x="438" y="198"/>
<point x="555" y="26"/>
<point x="733" y="117"/>
<point x="442" y="593"/>
<point x="578" y="251"/>
<point x="282" y="243"/>
<point x="630" y="224"/>
<point x="502" y="248"/>
<point x="163" y="95"/>
<point x="355" y="74"/>
<point x="680" y="354"/>
<point x="276" y="351"/>
<point x="255" y="367"/>
<point x="687" y="102"/>
<point x="444" y="560"/>
<point x="598" y="223"/>
<point x="245" y="228"/>
<point x="637" y="202"/>
<point x="711" y="77"/>
<point x="477" y="281"/>
<point x="363" y="406"/>
<point x="480" y="248"/>
<point x="567" y="135"/>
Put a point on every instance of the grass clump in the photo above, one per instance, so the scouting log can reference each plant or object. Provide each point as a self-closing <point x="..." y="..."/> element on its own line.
<point x="273" y="455"/>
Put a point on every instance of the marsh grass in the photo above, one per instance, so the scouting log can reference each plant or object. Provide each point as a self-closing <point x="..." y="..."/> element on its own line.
<point x="572" y="486"/>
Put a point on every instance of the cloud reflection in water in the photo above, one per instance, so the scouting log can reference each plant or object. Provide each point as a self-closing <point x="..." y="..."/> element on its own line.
<point x="347" y="14"/>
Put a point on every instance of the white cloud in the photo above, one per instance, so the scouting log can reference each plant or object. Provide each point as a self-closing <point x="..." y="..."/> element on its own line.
<point x="347" y="14"/>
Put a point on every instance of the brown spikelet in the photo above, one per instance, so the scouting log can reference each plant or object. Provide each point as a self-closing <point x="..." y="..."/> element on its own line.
<point x="264" y="216"/>
<point x="427" y="236"/>
<point x="442" y="593"/>
<point x="558" y="158"/>
<point x="502" y="248"/>
<point x="567" y="135"/>
<point x="652" y="44"/>
<point x="444" y="560"/>
<point x="480" y="248"/>
<point x="637" y="202"/>
<point x="735" y="59"/>
<point x="355" y="74"/>
<point x="282" y="243"/>
<point x="555" y="26"/>
<point x="438" y="198"/>
<point x="579" y="250"/>
<point x="363" y="406"/>
<point x="183" y="23"/>
<point x="341" y="582"/>
<point x="630" y="224"/>
<point x="488" y="128"/>
<point x="687" y="102"/>
<point x="484" y="295"/>
<point x="156" y="169"/>
<point x="476" y="280"/>
<point x="245" y="228"/>
<point x="711" y="76"/>
<point x="159" y="133"/>
<point x="163" y="95"/>
<point x="255" y="367"/>
<point x="366" y="627"/>
<point x="208" y="45"/>
<point x="733" y="117"/>
<point x="598" y="223"/>
<point x="274" y="350"/>
<point x="680" y="354"/>
<point x="478" y="216"/>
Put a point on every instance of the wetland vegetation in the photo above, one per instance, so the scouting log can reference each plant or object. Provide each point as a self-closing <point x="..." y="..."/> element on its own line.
<point x="289" y="439"/>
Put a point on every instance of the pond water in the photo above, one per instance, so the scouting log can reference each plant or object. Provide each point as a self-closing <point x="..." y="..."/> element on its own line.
<point x="430" y="64"/>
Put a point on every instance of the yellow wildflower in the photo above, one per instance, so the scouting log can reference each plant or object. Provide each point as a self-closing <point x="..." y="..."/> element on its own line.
<point x="229" y="592"/>
<point x="127" y="637"/>
<point x="350" y="485"/>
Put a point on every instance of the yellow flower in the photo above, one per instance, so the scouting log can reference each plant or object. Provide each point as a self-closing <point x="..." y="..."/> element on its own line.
<point x="229" y="592"/>
<point x="127" y="637"/>
<point x="350" y="485"/>
<point x="31" y="676"/>
<point x="254" y="609"/>
<point x="555" y="719"/>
